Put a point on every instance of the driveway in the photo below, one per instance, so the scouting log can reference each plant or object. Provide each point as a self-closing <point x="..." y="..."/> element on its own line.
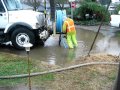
<point x="95" y="28"/>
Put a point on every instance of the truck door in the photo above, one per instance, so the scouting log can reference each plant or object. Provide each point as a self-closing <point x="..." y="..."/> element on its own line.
<point x="3" y="16"/>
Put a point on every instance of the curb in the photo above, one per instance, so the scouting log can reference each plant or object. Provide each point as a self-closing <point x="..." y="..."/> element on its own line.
<point x="93" y="28"/>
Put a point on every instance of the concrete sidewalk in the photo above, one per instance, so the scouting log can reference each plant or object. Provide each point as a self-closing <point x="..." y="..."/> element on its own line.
<point x="95" y="28"/>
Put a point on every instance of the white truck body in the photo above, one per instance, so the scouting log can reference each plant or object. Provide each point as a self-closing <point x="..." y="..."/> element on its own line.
<point x="24" y="16"/>
<point x="115" y="20"/>
<point x="20" y="26"/>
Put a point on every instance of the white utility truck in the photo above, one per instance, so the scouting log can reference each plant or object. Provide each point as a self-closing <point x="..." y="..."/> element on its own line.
<point x="115" y="20"/>
<point x="19" y="25"/>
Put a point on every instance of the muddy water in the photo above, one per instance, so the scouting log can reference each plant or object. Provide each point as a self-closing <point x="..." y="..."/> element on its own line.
<point x="52" y="53"/>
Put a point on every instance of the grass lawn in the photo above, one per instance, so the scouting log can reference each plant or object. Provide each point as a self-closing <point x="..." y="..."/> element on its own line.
<point x="96" y="77"/>
<point x="11" y="64"/>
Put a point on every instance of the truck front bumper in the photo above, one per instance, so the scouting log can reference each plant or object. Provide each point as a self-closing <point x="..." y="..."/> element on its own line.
<point x="44" y="35"/>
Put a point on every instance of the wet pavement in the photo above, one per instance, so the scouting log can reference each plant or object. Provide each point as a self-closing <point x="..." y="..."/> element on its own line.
<point x="102" y="28"/>
<point x="109" y="42"/>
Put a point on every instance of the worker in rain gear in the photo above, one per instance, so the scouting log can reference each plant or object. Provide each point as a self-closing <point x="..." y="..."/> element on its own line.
<point x="69" y="29"/>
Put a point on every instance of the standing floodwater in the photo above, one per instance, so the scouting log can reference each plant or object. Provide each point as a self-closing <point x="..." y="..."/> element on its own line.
<point x="52" y="53"/>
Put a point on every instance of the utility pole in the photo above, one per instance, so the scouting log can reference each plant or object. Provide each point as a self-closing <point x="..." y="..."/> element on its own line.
<point x="53" y="19"/>
<point x="35" y="5"/>
<point x="72" y="4"/>
<point x="71" y="11"/>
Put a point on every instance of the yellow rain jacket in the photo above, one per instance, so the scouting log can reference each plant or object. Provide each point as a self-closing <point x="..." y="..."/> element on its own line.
<point x="69" y="29"/>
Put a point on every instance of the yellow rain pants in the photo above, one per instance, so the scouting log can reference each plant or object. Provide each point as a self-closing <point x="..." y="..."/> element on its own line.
<point x="71" y="37"/>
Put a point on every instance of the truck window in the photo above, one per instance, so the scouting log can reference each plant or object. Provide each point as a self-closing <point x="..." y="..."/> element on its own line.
<point x="1" y="7"/>
<point x="13" y="4"/>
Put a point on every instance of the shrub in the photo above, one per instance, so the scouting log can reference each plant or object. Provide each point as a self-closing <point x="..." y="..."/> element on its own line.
<point x="94" y="10"/>
<point x="117" y="9"/>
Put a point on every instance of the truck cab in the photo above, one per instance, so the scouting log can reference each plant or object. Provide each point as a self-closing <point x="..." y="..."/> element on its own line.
<point x="19" y="25"/>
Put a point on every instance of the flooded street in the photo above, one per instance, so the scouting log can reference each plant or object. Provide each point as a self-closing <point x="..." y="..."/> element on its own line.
<point x="52" y="53"/>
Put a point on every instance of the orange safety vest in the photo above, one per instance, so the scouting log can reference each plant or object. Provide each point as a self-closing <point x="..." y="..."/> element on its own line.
<point x="69" y="25"/>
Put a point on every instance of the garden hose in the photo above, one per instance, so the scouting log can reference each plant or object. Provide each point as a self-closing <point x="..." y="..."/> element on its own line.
<point x="58" y="70"/>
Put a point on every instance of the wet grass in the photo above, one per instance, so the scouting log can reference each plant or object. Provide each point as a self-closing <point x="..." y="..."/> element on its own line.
<point x="118" y="33"/>
<point x="13" y="82"/>
<point x="14" y="65"/>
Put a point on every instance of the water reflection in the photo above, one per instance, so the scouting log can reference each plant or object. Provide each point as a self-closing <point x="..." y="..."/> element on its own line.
<point x="52" y="60"/>
<point x="52" y="53"/>
<point x="109" y="45"/>
<point x="71" y="54"/>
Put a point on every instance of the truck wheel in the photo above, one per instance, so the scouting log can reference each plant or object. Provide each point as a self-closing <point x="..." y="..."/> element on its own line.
<point x="21" y="36"/>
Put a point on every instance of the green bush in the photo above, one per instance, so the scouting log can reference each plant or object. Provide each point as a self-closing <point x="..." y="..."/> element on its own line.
<point x="68" y="11"/>
<point x="95" y="11"/>
<point x="117" y="9"/>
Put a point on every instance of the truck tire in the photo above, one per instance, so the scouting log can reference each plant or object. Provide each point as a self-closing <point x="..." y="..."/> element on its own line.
<point x="20" y="36"/>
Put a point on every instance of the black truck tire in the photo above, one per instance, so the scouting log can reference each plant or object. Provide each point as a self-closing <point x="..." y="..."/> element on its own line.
<point x="21" y="36"/>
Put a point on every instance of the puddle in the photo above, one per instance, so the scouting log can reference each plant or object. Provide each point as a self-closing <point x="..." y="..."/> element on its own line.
<point x="52" y="53"/>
